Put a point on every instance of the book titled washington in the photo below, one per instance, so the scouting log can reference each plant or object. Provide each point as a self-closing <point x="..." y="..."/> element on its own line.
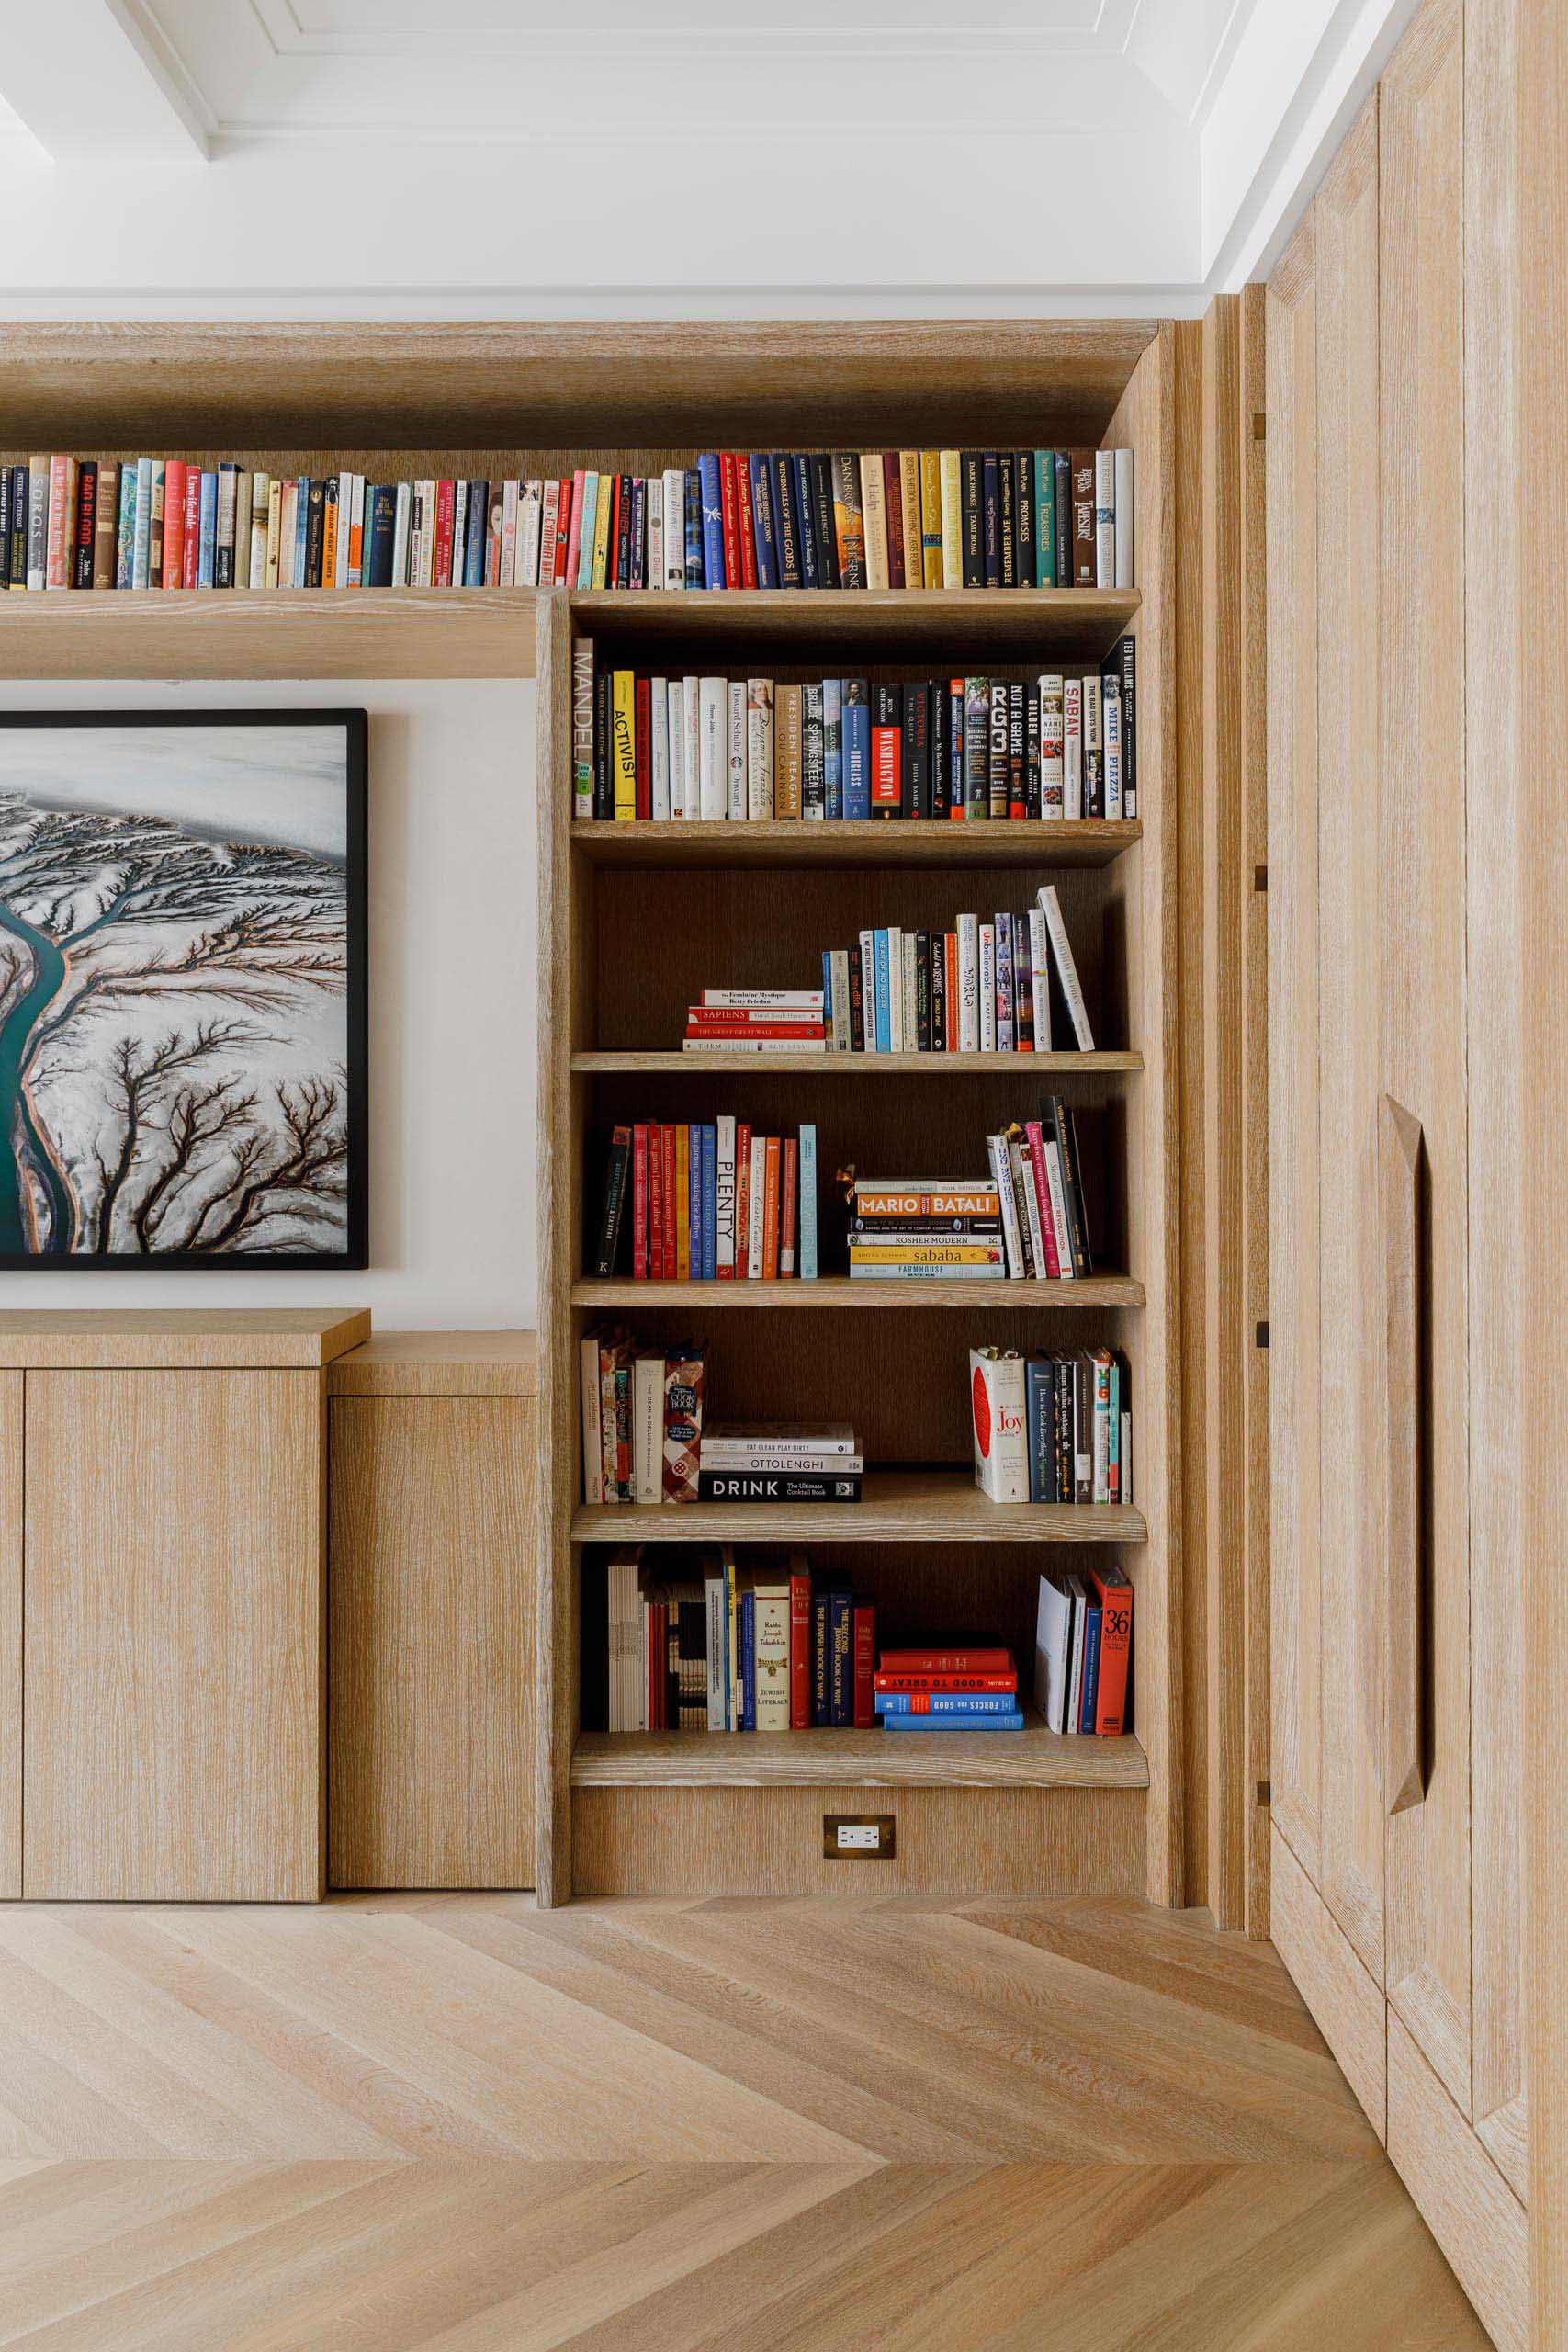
<point x="776" y="1486"/>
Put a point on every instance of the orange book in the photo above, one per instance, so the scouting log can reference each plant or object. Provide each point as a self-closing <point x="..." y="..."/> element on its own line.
<point x="1115" y="1595"/>
<point x="771" y="1211"/>
<point x="683" y="1202"/>
<point x="742" y="1198"/>
<point x="357" y="537"/>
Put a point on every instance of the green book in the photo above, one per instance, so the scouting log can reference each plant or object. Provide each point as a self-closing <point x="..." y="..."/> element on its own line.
<point x="1044" y="518"/>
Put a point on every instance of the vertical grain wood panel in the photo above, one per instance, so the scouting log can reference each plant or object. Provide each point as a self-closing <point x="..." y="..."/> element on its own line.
<point x="1294" y="1394"/>
<point x="1348" y="2008"/>
<point x="1464" y="2200"/>
<point x="431" y="1642"/>
<point x="1424" y="560"/>
<point x="11" y="1494"/>
<point x="1350" y="739"/>
<point x="174" y="1655"/>
<point x="1494" y="1014"/>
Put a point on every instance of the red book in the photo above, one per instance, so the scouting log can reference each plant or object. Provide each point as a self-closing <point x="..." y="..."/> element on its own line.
<point x="446" y="504"/>
<point x="864" y="1665"/>
<point x="748" y="523"/>
<point x="893" y="499"/>
<point x="742" y="1017"/>
<point x="565" y="512"/>
<point x="174" y="523"/>
<point x="926" y="1683"/>
<point x="742" y="1199"/>
<point x="799" y="1648"/>
<point x="573" y="547"/>
<point x="729" y="508"/>
<point x="193" y="525"/>
<point x="1115" y="1650"/>
<point x="644" y="747"/>
<point x="639" y="1203"/>
<point x="989" y="1660"/>
<point x="886" y="766"/>
<point x="667" y="1170"/>
<point x="1034" y="1135"/>
<point x="789" y="1180"/>
<point x="613" y="537"/>
<point x="80" y="574"/>
<point x="799" y="1032"/>
<point x="655" y="1203"/>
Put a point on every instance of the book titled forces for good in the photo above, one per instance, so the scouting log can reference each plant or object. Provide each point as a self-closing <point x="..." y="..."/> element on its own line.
<point x="1000" y="1419"/>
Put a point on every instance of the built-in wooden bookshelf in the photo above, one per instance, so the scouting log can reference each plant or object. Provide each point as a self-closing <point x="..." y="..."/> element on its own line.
<point x="630" y="915"/>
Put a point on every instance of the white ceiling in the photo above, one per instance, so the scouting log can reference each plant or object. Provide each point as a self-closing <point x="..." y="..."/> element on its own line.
<point x="416" y="154"/>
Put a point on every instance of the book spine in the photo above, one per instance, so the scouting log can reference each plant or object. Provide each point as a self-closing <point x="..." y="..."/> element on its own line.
<point x="799" y="1649"/>
<point x="712" y="512"/>
<point x="1105" y="518"/>
<point x="582" y="727"/>
<point x="840" y="1660"/>
<point x="849" y="522"/>
<point x="864" y="1631"/>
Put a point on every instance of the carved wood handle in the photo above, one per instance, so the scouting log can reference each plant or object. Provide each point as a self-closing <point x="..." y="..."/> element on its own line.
<point x="1404" y="1752"/>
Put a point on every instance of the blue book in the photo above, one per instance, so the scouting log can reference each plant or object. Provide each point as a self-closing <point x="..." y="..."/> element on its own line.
<point x="840" y="1660"/>
<point x="748" y="1662"/>
<point x="207" y="559"/>
<point x="948" y="1702"/>
<point x="693" y="505"/>
<point x="585" y="535"/>
<point x="762" y="530"/>
<point x="857" y="749"/>
<point x="821" y="1653"/>
<point x="832" y="747"/>
<point x="381" y="515"/>
<point x="810" y="568"/>
<point x="125" y="562"/>
<point x="301" y="524"/>
<point x="710" y="1203"/>
<point x="711" y="501"/>
<point x="808" y="1205"/>
<point x="1039" y="1394"/>
<point x="1090" y="1664"/>
<point x="479" y="523"/>
<point x="786" y="520"/>
<point x="694" y="1199"/>
<point x="880" y="989"/>
<point x="1012" y="1721"/>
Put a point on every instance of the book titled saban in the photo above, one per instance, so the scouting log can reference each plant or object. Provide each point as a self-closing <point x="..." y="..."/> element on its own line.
<point x="1001" y="1421"/>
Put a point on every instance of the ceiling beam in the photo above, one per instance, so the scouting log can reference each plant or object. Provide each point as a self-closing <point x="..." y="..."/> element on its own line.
<point x="94" y="84"/>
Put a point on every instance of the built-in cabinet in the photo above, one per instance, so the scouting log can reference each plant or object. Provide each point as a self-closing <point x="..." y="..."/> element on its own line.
<point x="1393" y="1072"/>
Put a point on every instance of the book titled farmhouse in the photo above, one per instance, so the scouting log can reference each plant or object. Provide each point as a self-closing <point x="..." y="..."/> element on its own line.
<point x="1000" y="1419"/>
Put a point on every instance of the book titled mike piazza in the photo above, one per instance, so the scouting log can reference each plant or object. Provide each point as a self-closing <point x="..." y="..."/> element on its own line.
<point x="780" y="1463"/>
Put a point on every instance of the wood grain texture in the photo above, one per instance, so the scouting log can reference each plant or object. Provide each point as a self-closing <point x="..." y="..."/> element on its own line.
<point x="901" y="624"/>
<point x="1348" y="2008"/>
<point x="1466" y="2202"/>
<point x="12" y="1492"/>
<point x="1422" y="847"/>
<point x="173" y="1648"/>
<point x="84" y="1339"/>
<point x="439" y="1364"/>
<point x="843" y="1291"/>
<point x="272" y="633"/>
<point x="1351" y="921"/>
<point x="433" y="1604"/>
<point x="1084" y="841"/>
<point x="897" y="1506"/>
<point x="1294" y="1381"/>
<point x="1033" y="1757"/>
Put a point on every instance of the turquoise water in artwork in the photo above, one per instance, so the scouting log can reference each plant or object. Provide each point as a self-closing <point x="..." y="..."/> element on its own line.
<point x="21" y="1135"/>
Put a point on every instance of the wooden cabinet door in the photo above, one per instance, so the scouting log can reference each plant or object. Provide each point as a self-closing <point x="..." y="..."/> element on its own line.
<point x="1349" y="926"/>
<point x="1422" y="857"/>
<point x="173" y="1539"/>
<point x="433" y="1623"/>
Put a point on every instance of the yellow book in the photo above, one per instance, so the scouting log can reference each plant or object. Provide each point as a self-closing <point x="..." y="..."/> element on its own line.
<point x="683" y="1202"/>
<point x="623" y="743"/>
<point x="924" y="1253"/>
<point x="952" y="520"/>
<point x="601" y="531"/>
<point x="874" y="514"/>
<point x="931" y="517"/>
<point x="909" y="502"/>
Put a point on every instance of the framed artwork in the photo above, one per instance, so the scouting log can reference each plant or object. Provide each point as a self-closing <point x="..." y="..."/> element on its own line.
<point x="182" y="988"/>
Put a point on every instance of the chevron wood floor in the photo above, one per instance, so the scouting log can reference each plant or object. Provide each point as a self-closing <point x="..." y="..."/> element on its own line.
<point x="403" y="2122"/>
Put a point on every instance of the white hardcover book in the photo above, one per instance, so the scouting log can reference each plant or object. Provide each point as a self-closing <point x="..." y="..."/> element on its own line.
<point x="987" y="938"/>
<point x="1034" y="1209"/>
<point x="1058" y="1207"/>
<point x="653" y="567"/>
<point x="911" y="994"/>
<point x="715" y="1602"/>
<point x="1123" y="518"/>
<point x="691" y="708"/>
<point x="1093" y="741"/>
<point x="868" y="988"/>
<point x="648" y="1428"/>
<point x="549" y="517"/>
<point x="1040" y="979"/>
<point x="1000" y="1430"/>
<point x="754" y="1219"/>
<point x="530" y="518"/>
<point x="345" y="527"/>
<point x="770" y="1648"/>
<point x="712" y="752"/>
<point x="261" y="497"/>
<point x="760" y="747"/>
<point x="1066" y="969"/>
<point x="1105" y="518"/>
<point x="1052" y="1640"/>
<point x="593" y="1436"/>
<point x="658" y="747"/>
<point x="507" y="575"/>
<point x="764" y="999"/>
<point x="723" y="1198"/>
<point x="459" y="535"/>
<point x="674" y="528"/>
<point x="838" y="963"/>
<point x="1111" y="726"/>
<point x="402" y="514"/>
<point x="967" y="927"/>
<point x="676" y="700"/>
<point x="734" y="805"/>
<point x="1012" y="1247"/>
<point x="1074" y="1668"/>
<point x="1072" y="746"/>
<point x="1051" y="745"/>
<point x="895" y="989"/>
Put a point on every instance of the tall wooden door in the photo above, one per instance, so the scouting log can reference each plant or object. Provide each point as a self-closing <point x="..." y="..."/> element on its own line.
<point x="1425" y="554"/>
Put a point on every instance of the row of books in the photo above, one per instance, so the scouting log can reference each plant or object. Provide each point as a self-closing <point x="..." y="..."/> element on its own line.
<point x="1028" y="1220"/>
<point x="889" y="519"/>
<point x="1052" y="1429"/>
<point x="707" y="1202"/>
<point x="642" y="1418"/>
<point x="1059" y="744"/>
<point x="1083" y="1651"/>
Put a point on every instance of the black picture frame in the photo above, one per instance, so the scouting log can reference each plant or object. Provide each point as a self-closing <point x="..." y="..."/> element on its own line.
<point x="355" y="1257"/>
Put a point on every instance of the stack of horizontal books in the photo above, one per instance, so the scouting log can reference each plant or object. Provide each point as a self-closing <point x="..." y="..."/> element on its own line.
<point x="756" y="1021"/>
<point x="967" y="1687"/>
<point x="926" y="1229"/>
<point x="779" y="1463"/>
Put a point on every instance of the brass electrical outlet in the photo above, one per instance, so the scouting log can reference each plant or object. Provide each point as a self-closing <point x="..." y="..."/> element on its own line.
<point x="857" y="1837"/>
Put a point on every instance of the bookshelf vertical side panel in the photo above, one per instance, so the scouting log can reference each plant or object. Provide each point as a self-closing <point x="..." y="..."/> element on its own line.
<point x="561" y="962"/>
<point x="1146" y="421"/>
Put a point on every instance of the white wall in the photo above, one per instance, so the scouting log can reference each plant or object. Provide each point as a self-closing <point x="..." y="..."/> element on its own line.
<point x="452" y="894"/>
